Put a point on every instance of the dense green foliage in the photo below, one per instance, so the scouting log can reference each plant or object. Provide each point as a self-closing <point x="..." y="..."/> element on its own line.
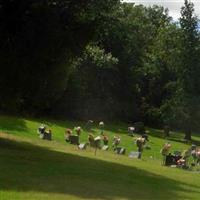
<point x="38" y="42"/>
<point x="100" y="60"/>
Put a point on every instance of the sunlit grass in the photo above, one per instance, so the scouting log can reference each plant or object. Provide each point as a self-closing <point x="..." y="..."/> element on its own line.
<point x="31" y="168"/>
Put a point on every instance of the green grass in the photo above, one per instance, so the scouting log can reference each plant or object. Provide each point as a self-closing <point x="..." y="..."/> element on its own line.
<point x="34" y="169"/>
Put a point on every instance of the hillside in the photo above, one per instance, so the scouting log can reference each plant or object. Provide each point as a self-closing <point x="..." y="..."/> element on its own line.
<point x="31" y="168"/>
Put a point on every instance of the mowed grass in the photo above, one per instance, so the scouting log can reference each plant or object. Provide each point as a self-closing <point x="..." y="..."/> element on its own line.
<point x="31" y="168"/>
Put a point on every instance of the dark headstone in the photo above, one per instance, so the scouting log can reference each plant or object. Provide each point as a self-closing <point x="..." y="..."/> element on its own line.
<point x="74" y="139"/>
<point x="47" y="136"/>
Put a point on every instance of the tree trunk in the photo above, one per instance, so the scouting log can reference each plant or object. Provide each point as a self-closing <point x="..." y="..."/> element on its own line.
<point x="166" y="131"/>
<point x="188" y="135"/>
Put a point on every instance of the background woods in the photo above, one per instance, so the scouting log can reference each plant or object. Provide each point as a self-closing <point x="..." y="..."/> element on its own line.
<point x="100" y="59"/>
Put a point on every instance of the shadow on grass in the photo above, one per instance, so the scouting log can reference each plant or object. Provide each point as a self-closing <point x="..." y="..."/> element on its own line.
<point x="63" y="124"/>
<point x="25" y="167"/>
<point x="12" y="124"/>
<point x="117" y="129"/>
<point x="176" y="137"/>
<point x="196" y="142"/>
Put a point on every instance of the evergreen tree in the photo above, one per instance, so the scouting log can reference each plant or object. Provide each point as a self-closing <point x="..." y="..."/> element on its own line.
<point x="189" y="91"/>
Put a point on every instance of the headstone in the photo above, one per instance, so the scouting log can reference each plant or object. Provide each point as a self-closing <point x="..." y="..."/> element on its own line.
<point x="133" y="154"/>
<point x="82" y="146"/>
<point x="105" y="147"/>
<point x="74" y="139"/>
<point x="120" y="150"/>
<point x="97" y="142"/>
<point x="88" y="125"/>
<point x="131" y="130"/>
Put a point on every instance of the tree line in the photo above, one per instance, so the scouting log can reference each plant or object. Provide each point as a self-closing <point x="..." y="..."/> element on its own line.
<point x="100" y="60"/>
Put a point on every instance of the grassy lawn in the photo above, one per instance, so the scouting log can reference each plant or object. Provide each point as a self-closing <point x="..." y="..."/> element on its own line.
<point x="33" y="169"/>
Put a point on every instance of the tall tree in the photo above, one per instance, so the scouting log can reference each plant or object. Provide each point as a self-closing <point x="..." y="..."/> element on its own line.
<point x="92" y="86"/>
<point x="189" y="91"/>
<point x="161" y="73"/>
<point x="129" y="38"/>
